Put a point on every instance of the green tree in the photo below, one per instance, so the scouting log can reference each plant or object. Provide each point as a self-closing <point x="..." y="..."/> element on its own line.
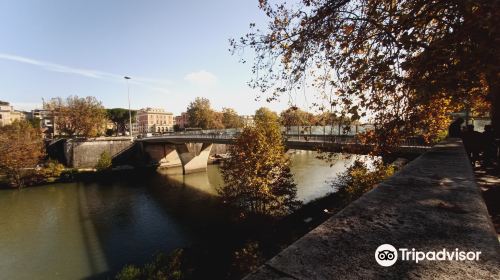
<point x="294" y="116"/>
<point x="201" y="114"/>
<point x="78" y="116"/>
<point x="263" y="115"/>
<point x="218" y="120"/>
<point x="230" y="118"/>
<point x="104" y="162"/>
<point x="35" y="123"/>
<point x="21" y="149"/>
<point x="120" y="118"/>
<point x="257" y="174"/>
<point x="399" y="64"/>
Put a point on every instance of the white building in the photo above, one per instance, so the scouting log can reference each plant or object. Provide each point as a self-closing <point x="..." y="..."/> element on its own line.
<point x="8" y="114"/>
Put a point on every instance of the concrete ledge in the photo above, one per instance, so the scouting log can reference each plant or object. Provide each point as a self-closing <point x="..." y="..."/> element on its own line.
<point x="432" y="204"/>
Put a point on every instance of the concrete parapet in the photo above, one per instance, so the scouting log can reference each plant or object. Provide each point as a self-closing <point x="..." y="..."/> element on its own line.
<point x="432" y="204"/>
<point x="84" y="153"/>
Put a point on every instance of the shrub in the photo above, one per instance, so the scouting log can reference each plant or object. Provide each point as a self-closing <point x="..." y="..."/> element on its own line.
<point x="359" y="179"/>
<point x="104" y="162"/>
<point x="129" y="272"/>
<point x="52" y="169"/>
<point x="170" y="267"/>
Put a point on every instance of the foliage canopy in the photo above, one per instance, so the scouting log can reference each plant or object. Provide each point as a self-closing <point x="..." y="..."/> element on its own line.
<point x="201" y="114"/>
<point x="21" y="149"/>
<point x="78" y="116"/>
<point x="402" y="65"/>
<point x="230" y="118"/>
<point x="257" y="174"/>
<point x="120" y="118"/>
<point x="359" y="178"/>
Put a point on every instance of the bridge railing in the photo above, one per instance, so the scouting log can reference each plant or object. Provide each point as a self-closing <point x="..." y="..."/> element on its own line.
<point x="194" y="136"/>
<point x="335" y="139"/>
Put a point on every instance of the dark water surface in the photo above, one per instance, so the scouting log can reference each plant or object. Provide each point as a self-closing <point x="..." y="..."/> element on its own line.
<point x="91" y="229"/>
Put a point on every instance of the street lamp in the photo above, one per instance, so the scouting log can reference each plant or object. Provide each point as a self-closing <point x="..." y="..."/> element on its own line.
<point x="129" y="112"/>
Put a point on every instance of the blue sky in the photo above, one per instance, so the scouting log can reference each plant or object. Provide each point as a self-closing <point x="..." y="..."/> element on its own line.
<point x="173" y="50"/>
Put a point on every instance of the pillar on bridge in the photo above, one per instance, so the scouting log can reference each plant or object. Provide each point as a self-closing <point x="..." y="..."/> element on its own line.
<point x="162" y="154"/>
<point x="170" y="159"/>
<point x="193" y="157"/>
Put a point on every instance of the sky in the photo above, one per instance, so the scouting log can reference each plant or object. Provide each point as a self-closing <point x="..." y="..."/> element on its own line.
<point x="174" y="51"/>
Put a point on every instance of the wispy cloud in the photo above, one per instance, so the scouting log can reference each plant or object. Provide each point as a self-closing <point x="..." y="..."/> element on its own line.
<point x="201" y="78"/>
<point x="154" y="84"/>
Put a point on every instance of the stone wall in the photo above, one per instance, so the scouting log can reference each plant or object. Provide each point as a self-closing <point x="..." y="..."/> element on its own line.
<point x="432" y="204"/>
<point x="86" y="153"/>
<point x="219" y="149"/>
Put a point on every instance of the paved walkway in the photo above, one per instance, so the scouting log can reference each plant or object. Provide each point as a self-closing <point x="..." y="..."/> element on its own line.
<point x="488" y="179"/>
<point x="433" y="203"/>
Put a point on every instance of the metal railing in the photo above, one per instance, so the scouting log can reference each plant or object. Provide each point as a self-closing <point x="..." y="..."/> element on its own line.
<point x="331" y="139"/>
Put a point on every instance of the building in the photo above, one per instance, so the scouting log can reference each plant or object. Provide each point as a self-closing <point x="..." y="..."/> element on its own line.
<point x="154" y="120"/>
<point x="46" y="119"/>
<point x="247" y="120"/>
<point x="182" y="121"/>
<point x="135" y="128"/>
<point x="8" y="114"/>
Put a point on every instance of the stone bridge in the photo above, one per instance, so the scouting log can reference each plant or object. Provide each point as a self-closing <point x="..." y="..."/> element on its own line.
<point x="192" y="151"/>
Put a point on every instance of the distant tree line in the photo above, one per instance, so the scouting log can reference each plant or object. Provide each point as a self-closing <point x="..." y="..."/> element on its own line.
<point x="201" y="115"/>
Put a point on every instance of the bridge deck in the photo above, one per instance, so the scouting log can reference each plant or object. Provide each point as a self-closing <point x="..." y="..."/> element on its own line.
<point x="334" y="143"/>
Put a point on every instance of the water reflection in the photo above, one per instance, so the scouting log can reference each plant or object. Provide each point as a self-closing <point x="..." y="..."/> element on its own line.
<point x="312" y="175"/>
<point x="205" y="182"/>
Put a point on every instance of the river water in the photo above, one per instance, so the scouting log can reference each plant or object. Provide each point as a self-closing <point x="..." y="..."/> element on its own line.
<point x="91" y="229"/>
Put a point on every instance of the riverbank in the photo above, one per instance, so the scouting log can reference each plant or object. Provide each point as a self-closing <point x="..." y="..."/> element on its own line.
<point x="67" y="175"/>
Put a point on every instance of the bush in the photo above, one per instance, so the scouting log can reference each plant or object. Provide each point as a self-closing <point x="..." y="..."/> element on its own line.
<point x="52" y="169"/>
<point x="246" y="259"/>
<point x="359" y="179"/>
<point x="129" y="272"/>
<point x="170" y="267"/>
<point x="104" y="162"/>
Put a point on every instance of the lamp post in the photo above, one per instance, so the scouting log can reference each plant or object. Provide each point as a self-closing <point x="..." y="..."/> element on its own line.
<point x="129" y="112"/>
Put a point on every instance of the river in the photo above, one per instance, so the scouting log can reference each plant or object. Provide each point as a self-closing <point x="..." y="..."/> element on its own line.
<point x="91" y="229"/>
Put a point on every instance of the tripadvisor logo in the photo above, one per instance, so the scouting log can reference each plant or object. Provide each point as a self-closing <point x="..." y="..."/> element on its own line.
<point x="387" y="255"/>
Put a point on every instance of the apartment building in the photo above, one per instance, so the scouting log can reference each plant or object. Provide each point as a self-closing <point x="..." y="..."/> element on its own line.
<point x="182" y="121"/>
<point x="8" y="114"/>
<point x="154" y="120"/>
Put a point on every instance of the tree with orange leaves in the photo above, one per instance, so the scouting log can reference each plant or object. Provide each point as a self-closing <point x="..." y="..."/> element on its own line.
<point x="404" y="66"/>
<point x="21" y="149"/>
